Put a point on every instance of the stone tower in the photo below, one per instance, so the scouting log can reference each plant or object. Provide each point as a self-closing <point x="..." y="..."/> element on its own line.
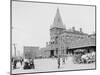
<point x="57" y="27"/>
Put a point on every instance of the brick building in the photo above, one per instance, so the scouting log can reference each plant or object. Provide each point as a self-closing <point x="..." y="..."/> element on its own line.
<point x="31" y="52"/>
<point x="62" y="39"/>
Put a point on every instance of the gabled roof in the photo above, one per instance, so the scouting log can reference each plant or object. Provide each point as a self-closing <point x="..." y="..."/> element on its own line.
<point x="57" y="23"/>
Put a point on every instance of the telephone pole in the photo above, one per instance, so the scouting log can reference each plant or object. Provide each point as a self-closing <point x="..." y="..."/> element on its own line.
<point x="14" y="49"/>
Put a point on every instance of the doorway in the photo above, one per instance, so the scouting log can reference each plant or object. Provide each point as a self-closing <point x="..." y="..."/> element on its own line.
<point x="51" y="53"/>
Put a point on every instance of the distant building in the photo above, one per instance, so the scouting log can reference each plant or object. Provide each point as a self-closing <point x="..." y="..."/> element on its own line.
<point x="31" y="52"/>
<point x="44" y="52"/>
<point x="62" y="39"/>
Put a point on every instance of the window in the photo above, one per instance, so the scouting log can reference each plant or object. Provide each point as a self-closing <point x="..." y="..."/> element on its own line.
<point x="56" y="50"/>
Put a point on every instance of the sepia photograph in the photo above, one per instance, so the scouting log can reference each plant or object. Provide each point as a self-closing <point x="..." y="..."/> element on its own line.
<point x="52" y="37"/>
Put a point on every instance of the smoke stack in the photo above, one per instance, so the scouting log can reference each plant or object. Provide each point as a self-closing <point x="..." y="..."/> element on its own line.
<point x="46" y="43"/>
<point x="80" y="29"/>
<point x="73" y="28"/>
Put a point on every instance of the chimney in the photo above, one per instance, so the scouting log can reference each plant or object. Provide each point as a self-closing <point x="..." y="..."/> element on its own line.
<point x="46" y="43"/>
<point x="73" y="28"/>
<point x="80" y="29"/>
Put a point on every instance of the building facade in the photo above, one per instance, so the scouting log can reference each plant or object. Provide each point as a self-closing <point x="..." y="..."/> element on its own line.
<point x="31" y="52"/>
<point x="61" y="38"/>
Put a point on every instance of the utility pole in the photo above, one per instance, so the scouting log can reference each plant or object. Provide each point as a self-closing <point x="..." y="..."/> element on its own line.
<point x="14" y="43"/>
<point x="14" y="49"/>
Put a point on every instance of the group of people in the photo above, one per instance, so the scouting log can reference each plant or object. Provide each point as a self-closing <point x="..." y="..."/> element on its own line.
<point x="59" y="61"/>
<point x="88" y="57"/>
<point x="22" y="63"/>
<point x="85" y="58"/>
<point x="16" y="62"/>
<point x="29" y="64"/>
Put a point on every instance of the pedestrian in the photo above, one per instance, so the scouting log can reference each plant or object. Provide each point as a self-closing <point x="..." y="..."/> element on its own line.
<point x="32" y="64"/>
<point x="15" y="62"/>
<point x="63" y="59"/>
<point x="18" y="65"/>
<point x="26" y="64"/>
<point x="21" y="61"/>
<point x="58" y="62"/>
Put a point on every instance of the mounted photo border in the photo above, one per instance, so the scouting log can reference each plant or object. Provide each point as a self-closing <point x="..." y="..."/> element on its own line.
<point x="48" y="3"/>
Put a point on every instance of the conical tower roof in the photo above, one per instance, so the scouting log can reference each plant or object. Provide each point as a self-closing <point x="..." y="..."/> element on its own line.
<point x="57" y="23"/>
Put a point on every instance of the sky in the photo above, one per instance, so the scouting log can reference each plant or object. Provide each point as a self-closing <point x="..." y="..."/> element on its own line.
<point x="31" y="21"/>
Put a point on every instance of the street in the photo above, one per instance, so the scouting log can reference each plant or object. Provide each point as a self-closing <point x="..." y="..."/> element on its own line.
<point x="50" y="64"/>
